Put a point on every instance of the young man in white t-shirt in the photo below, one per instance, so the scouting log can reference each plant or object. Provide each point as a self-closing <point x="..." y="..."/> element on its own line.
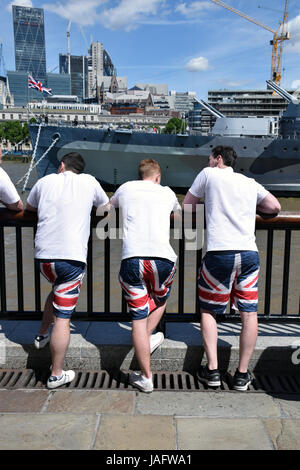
<point x="230" y="267"/>
<point x="148" y="261"/>
<point x="9" y="196"/>
<point x="63" y="203"/>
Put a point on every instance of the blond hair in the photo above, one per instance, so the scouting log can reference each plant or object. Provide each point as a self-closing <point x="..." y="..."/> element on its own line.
<point x="148" y="168"/>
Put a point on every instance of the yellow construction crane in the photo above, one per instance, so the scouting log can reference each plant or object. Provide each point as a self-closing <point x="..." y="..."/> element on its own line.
<point x="278" y="37"/>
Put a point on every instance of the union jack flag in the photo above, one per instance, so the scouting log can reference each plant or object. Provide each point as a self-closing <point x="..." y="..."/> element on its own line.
<point x="32" y="83"/>
<point x="237" y="286"/>
<point x="152" y="286"/>
<point x="65" y="294"/>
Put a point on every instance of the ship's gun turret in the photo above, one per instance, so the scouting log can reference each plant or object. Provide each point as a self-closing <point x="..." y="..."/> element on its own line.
<point x="289" y="123"/>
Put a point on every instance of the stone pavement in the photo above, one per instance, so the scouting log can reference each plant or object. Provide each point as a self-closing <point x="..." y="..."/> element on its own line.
<point x="128" y="420"/>
<point x="131" y="420"/>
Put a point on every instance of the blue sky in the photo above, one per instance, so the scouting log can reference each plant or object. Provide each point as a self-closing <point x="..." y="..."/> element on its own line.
<point x="190" y="45"/>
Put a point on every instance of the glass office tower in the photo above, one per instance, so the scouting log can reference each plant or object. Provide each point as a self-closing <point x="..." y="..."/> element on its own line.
<point x="29" y="36"/>
<point x="79" y="74"/>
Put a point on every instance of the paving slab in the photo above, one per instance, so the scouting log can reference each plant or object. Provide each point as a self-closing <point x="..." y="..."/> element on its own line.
<point x="207" y="404"/>
<point x="289" y="405"/>
<point x="22" y="400"/>
<point x="80" y="401"/>
<point x="135" y="432"/>
<point x="222" y="434"/>
<point x="46" y="431"/>
<point x="284" y="433"/>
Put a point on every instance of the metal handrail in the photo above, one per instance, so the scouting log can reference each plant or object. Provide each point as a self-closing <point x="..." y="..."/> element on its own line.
<point x="286" y="221"/>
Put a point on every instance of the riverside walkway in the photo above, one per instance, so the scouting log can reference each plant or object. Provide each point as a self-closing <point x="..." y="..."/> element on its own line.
<point x="102" y="415"/>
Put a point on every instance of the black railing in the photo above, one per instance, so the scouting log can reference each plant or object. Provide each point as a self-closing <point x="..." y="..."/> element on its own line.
<point x="287" y="224"/>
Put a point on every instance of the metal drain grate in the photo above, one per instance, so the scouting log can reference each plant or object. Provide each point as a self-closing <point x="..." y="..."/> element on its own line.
<point x="13" y="379"/>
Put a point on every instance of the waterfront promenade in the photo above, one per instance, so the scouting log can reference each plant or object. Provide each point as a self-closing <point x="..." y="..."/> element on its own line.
<point x="125" y="419"/>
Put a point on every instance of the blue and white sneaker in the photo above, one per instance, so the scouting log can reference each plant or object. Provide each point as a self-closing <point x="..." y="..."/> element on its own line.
<point x="66" y="377"/>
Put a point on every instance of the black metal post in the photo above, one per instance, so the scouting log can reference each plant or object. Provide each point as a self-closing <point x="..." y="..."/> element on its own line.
<point x="286" y="272"/>
<point x="268" y="272"/>
<point x="37" y="283"/>
<point x="19" y="269"/>
<point x="89" y="270"/>
<point x="107" y="275"/>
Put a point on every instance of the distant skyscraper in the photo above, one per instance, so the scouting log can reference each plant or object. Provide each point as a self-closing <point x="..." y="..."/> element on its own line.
<point x="29" y="36"/>
<point x="79" y="73"/>
<point x="99" y="65"/>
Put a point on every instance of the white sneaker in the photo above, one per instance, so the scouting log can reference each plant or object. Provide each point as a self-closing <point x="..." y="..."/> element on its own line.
<point x="155" y="341"/>
<point x="66" y="377"/>
<point x="40" y="341"/>
<point x="141" y="382"/>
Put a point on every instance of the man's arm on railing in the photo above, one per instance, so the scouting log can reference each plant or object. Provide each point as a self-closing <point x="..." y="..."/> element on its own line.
<point x="268" y="207"/>
<point x="28" y="207"/>
<point x="190" y="202"/>
<point x="15" y="206"/>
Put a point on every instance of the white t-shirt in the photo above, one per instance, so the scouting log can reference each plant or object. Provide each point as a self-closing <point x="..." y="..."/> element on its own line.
<point x="145" y="209"/>
<point x="64" y="202"/>
<point x="230" y="208"/>
<point x="8" y="192"/>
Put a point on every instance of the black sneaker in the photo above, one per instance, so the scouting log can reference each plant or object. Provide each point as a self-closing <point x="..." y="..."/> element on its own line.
<point x="241" y="381"/>
<point x="211" y="377"/>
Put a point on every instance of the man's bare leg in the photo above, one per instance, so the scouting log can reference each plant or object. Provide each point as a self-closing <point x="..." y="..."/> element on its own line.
<point x="154" y="318"/>
<point x="60" y="339"/>
<point x="48" y="316"/>
<point x="209" y="332"/>
<point x="248" y="339"/>
<point x="140" y="340"/>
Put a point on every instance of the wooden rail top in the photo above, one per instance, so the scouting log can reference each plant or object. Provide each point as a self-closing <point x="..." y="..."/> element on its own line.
<point x="26" y="218"/>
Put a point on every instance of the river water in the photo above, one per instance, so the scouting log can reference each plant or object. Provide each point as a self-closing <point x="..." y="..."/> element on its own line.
<point x="16" y="170"/>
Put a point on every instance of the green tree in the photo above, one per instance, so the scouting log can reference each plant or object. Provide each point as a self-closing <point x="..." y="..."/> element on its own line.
<point x="174" y="126"/>
<point x="25" y="131"/>
<point x="13" y="132"/>
<point x="2" y="132"/>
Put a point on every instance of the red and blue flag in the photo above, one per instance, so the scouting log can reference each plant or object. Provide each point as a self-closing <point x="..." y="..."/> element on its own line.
<point x="32" y="83"/>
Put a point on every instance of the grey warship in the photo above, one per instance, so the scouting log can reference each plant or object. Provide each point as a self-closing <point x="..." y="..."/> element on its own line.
<point x="269" y="154"/>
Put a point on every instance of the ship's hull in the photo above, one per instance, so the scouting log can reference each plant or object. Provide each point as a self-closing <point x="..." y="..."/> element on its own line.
<point x="113" y="157"/>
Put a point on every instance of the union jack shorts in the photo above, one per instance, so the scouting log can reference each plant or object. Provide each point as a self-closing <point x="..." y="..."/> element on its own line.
<point x="146" y="284"/>
<point x="66" y="277"/>
<point x="229" y="275"/>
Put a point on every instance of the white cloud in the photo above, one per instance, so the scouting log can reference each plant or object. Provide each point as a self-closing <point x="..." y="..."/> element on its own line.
<point x="129" y="13"/>
<point x="194" y="8"/>
<point x="295" y="85"/>
<point x="293" y="45"/>
<point x="20" y="3"/>
<point x="198" y="64"/>
<point x="234" y="84"/>
<point x="77" y="11"/>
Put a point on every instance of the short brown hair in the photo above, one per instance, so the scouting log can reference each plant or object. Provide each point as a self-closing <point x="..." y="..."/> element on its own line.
<point x="148" y="168"/>
<point x="74" y="162"/>
<point x="227" y="153"/>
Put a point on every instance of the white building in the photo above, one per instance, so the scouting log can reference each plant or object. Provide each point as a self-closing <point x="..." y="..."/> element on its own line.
<point x="154" y="88"/>
<point x="102" y="73"/>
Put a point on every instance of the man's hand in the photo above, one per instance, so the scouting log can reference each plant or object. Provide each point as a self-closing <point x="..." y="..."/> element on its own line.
<point x="15" y="206"/>
<point x="30" y="208"/>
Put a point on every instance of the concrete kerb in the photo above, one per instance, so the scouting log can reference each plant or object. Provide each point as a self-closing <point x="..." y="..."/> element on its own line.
<point x="108" y="345"/>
